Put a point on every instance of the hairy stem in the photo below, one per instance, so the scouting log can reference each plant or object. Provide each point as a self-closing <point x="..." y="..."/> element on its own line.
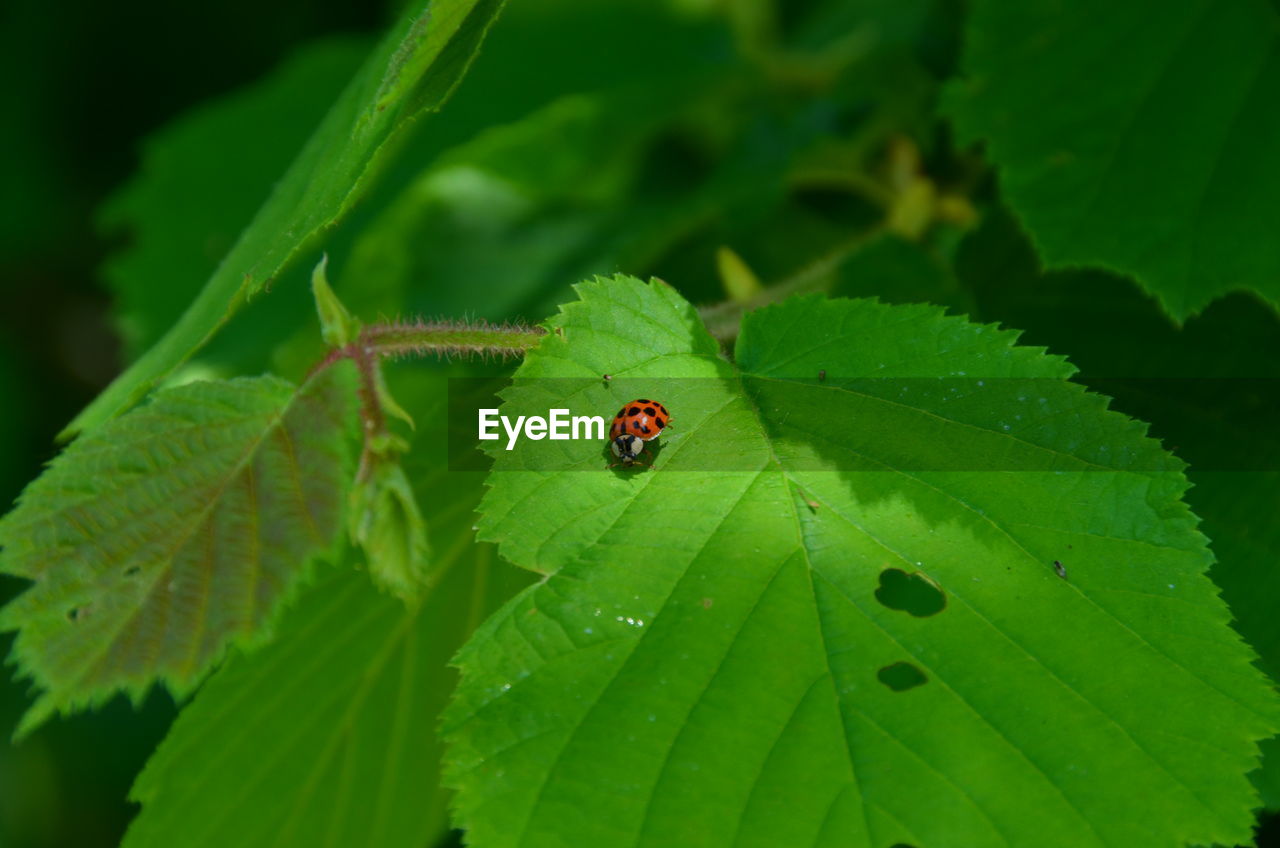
<point x="450" y="338"/>
<point x="416" y="338"/>
<point x="444" y="339"/>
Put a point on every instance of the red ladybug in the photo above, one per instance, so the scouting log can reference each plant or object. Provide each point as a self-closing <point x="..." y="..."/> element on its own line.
<point x="636" y="423"/>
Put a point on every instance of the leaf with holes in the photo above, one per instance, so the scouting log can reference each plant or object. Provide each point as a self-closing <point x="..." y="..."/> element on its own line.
<point x="830" y="613"/>
<point x="1157" y="156"/>
<point x="171" y="531"/>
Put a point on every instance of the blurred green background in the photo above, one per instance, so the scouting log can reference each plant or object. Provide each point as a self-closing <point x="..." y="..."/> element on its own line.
<point x="84" y="83"/>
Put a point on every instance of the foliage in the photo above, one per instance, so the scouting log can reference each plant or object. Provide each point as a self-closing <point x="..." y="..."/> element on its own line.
<point x="161" y="536"/>
<point x="655" y="647"/>
<point x="1157" y="162"/>
<point x="971" y="558"/>
<point x="412" y="71"/>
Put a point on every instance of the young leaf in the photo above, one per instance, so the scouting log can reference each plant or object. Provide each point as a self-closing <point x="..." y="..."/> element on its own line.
<point x="327" y="734"/>
<point x="1156" y="157"/>
<point x="828" y="643"/>
<point x="338" y="327"/>
<point x="412" y="72"/>
<point x="159" y="538"/>
<point x="385" y="522"/>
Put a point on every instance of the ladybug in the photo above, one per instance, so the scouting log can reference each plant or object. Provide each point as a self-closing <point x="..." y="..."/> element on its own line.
<point x="636" y="423"/>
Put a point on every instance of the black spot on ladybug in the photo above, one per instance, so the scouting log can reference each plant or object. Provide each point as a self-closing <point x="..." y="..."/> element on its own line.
<point x="635" y="410"/>
<point x="660" y="423"/>
<point x="644" y="400"/>
<point x="645" y="430"/>
<point x="650" y="411"/>
<point x="635" y="425"/>
<point x="621" y="412"/>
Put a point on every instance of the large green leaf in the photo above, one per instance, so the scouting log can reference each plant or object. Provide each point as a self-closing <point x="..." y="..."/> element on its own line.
<point x="1136" y="136"/>
<point x="1205" y="386"/>
<point x="328" y="734"/>
<point x="741" y="655"/>
<point x="159" y="538"/>
<point x="412" y="72"/>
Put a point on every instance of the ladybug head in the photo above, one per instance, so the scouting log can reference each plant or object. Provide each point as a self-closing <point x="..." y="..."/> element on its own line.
<point x="627" y="447"/>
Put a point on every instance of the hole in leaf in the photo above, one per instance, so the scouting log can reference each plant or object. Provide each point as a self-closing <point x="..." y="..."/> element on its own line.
<point x="913" y="593"/>
<point x="901" y="676"/>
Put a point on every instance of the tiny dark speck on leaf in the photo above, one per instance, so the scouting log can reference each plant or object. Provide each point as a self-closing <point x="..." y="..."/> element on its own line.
<point x="1060" y="569"/>
<point x="706" y="603"/>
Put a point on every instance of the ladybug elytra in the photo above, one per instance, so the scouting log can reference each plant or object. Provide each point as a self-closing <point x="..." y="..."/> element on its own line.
<point x="636" y="423"/>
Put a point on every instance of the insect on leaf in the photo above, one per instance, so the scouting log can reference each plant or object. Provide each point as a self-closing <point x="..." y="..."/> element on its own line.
<point x="829" y="615"/>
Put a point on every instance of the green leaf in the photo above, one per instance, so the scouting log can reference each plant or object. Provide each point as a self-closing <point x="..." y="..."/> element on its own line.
<point x="703" y="662"/>
<point x="158" y="539"/>
<point x="1156" y="156"/>
<point x="1205" y="386"/>
<point x="386" y="523"/>
<point x="203" y="176"/>
<point x="327" y="734"/>
<point x="338" y="328"/>
<point x="412" y="72"/>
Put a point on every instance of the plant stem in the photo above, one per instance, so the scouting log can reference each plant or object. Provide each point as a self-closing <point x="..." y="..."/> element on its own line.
<point x="723" y="319"/>
<point x="441" y="338"/>
<point x="450" y="338"/>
